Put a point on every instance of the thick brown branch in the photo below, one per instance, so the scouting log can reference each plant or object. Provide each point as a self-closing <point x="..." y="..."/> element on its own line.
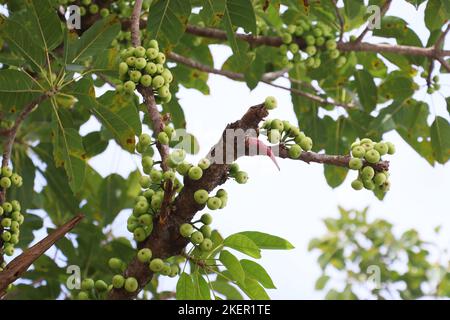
<point x="165" y="240"/>
<point x="21" y="263"/>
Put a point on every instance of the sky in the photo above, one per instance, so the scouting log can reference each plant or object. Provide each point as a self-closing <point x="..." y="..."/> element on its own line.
<point x="291" y="203"/>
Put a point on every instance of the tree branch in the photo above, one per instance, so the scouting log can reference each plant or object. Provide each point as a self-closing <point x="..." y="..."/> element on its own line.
<point x="21" y="263"/>
<point x="135" y="16"/>
<point x="11" y="135"/>
<point x="340" y="19"/>
<point x="266" y="78"/>
<point x="383" y="11"/>
<point x="343" y="46"/>
<point x="165" y="240"/>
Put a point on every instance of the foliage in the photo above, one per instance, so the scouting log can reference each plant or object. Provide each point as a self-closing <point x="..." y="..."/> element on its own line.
<point x="363" y="259"/>
<point x="49" y="81"/>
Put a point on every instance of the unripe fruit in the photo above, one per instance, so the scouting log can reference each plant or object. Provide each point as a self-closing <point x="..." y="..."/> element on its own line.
<point x="206" y="218"/>
<point x="382" y="148"/>
<point x="139" y="52"/>
<point x="174" y="269"/>
<point x="368" y="184"/>
<point x="115" y="263"/>
<point x="16" y="205"/>
<point x="234" y="168"/>
<point x="161" y="58"/>
<point x="331" y="44"/>
<point x="5" y="182"/>
<point x="206" y="245"/>
<point x="14" y="239"/>
<point x="391" y="147"/>
<point x="146" y="80"/>
<point x="83" y="295"/>
<point x="7" y="207"/>
<point x="159" y="68"/>
<point x="8" y="250"/>
<point x="6" y="222"/>
<point x="214" y="203"/>
<point x="204" y="163"/>
<point x="379" y="178"/>
<point x="372" y="156"/>
<point x="367" y="173"/>
<point x="158" y="82"/>
<point x="15" y="227"/>
<point x="274" y="136"/>
<point x="166" y="270"/>
<point x="150" y="68"/>
<point x="156" y="265"/>
<point x="358" y="152"/>
<point x="201" y="196"/>
<point x="163" y="138"/>
<point x="146" y="220"/>
<point x="277" y="124"/>
<point x="87" y="284"/>
<point x="145" y="181"/>
<point x="118" y="281"/>
<point x="131" y="61"/>
<point x="135" y="76"/>
<point x="169" y="175"/>
<point x="306" y="143"/>
<point x="186" y="229"/>
<point x="355" y="164"/>
<point x="147" y="161"/>
<point x="310" y="40"/>
<point x="6" y="172"/>
<point x="152" y="53"/>
<point x="155" y="176"/>
<point x="270" y="103"/>
<point x="123" y="68"/>
<point x="104" y="12"/>
<point x="129" y="86"/>
<point x="140" y="63"/>
<point x="183" y="168"/>
<point x="145" y="139"/>
<point x="334" y="54"/>
<point x="241" y="177"/>
<point x="286" y="38"/>
<point x="131" y="284"/>
<point x="195" y="173"/>
<point x="139" y="234"/>
<point x="164" y="91"/>
<point x="197" y="237"/>
<point x="167" y="75"/>
<point x="16" y="180"/>
<point x="1" y="211"/>
<point x="341" y="61"/>
<point x="295" y="151"/>
<point x="357" y="184"/>
<point x="6" y="236"/>
<point x="101" y="286"/>
<point x="311" y="50"/>
<point x="206" y="231"/>
<point x="156" y="202"/>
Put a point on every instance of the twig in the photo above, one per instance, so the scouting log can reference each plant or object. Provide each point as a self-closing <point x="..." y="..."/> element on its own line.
<point x="440" y="41"/>
<point x="266" y="78"/>
<point x="384" y="9"/>
<point x="135" y="15"/>
<point x="12" y="132"/>
<point x="21" y="263"/>
<point x="444" y="63"/>
<point x="341" y="20"/>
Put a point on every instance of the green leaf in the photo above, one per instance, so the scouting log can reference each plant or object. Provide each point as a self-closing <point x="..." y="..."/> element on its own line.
<point x="202" y="290"/>
<point x="435" y="15"/>
<point x="226" y="289"/>
<point x="98" y="37"/>
<point x="212" y="11"/>
<point x="321" y="282"/>
<point x="367" y="90"/>
<point x="167" y="20"/>
<point x="440" y="139"/>
<point x="16" y="90"/>
<point x="94" y="144"/>
<point x="267" y="241"/>
<point x="45" y="23"/>
<point x="112" y="195"/>
<point x="185" y="287"/>
<point x="334" y="175"/>
<point x="243" y="244"/>
<point x="257" y="272"/>
<point x="68" y="151"/>
<point x="241" y="14"/>
<point x="254" y="290"/>
<point x="353" y="7"/>
<point x="232" y="264"/>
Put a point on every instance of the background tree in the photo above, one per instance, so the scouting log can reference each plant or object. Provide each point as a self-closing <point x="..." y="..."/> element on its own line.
<point x="47" y="91"/>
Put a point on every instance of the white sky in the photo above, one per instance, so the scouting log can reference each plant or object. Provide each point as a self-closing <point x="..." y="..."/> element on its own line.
<point x="291" y="203"/>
